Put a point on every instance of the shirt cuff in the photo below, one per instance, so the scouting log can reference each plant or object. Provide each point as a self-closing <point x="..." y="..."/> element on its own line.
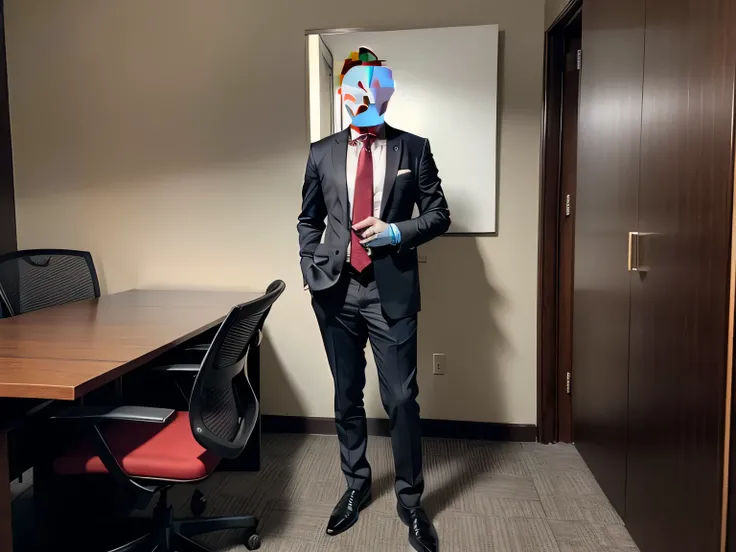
<point x="395" y="234"/>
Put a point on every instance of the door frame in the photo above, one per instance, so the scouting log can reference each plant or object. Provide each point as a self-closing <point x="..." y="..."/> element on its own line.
<point x="549" y="221"/>
<point x="327" y="56"/>
<point x="728" y="499"/>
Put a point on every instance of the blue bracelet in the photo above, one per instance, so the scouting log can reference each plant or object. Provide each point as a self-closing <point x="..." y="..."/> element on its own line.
<point x="395" y="234"/>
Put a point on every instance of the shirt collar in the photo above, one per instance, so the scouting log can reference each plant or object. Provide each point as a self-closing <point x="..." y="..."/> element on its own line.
<point x="381" y="134"/>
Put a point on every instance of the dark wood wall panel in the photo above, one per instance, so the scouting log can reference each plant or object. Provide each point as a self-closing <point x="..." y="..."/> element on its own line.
<point x="7" y="199"/>
<point x="679" y="315"/>
<point x="608" y="180"/>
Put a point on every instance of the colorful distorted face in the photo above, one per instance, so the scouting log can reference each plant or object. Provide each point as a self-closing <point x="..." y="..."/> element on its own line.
<point x="365" y="91"/>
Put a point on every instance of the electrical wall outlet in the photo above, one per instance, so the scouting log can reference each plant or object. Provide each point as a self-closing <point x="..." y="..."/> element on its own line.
<point x="422" y="258"/>
<point x="438" y="364"/>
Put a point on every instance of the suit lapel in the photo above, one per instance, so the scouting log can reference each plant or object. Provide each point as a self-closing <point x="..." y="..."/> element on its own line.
<point x="339" y="159"/>
<point x="394" y="149"/>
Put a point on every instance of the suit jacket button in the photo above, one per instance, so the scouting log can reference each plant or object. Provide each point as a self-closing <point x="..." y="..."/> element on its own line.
<point x="337" y="252"/>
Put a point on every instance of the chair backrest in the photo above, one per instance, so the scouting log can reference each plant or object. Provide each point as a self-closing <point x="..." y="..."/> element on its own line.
<point x="223" y="408"/>
<point x="39" y="278"/>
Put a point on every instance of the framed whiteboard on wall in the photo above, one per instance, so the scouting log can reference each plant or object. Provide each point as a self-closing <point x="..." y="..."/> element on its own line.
<point x="447" y="91"/>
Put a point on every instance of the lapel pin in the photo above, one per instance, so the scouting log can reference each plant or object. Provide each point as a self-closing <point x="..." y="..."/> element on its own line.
<point x="396" y="148"/>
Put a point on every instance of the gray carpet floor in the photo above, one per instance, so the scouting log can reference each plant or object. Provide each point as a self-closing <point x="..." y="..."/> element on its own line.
<point x="484" y="497"/>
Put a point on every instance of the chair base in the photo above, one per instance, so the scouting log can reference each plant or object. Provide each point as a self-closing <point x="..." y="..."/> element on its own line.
<point x="170" y="535"/>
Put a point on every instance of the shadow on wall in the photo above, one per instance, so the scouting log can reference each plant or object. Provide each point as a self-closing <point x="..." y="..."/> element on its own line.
<point x="274" y="377"/>
<point x="460" y="318"/>
<point x="101" y="274"/>
<point x="460" y="311"/>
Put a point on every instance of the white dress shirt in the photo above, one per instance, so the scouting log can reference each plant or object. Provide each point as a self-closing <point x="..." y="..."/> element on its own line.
<point x="378" y="148"/>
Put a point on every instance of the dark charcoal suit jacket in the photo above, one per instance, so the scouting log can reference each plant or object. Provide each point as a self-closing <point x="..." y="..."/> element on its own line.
<point x="325" y="207"/>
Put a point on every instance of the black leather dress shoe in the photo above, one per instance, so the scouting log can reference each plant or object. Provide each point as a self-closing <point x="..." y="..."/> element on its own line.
<point x="345" y="514"/>
<point x="422" y="534"/>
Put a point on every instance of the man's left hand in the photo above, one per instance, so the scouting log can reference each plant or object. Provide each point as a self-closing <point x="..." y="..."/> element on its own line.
<point x="376" y="233"/>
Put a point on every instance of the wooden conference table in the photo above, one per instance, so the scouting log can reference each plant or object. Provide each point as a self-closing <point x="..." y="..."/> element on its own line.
<point x="65" y="352"/>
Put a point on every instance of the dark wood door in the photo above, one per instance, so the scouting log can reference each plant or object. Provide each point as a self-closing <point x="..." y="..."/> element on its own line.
<point x="607" y="192"/>
<point x="679" y="307"/>
<point x="567" y="200"/>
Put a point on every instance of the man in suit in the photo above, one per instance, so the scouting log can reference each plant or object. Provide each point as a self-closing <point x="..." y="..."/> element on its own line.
<point x="360" y="189"/>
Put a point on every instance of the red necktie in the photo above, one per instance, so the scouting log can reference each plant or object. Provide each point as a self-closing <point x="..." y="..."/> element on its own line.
<point x="362" y="201"/>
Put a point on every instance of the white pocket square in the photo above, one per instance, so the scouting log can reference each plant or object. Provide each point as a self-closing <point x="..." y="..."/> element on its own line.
<point x="403" y="171"/>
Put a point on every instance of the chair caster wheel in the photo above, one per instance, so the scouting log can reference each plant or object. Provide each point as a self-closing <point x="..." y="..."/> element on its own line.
<point x="253" y="542"/>
<point x="198" y="503"/>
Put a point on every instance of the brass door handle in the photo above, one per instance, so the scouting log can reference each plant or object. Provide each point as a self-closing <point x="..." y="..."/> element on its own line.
<point x="637" y="251"/>
<point x="633" y="251"/>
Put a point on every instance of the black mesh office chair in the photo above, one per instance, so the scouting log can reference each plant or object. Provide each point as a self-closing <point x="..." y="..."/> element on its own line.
<point x="151" y="449"/>
<point x="39" y="278"/>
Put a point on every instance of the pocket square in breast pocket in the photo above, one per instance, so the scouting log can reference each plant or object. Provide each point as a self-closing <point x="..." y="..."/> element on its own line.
<point x="403" y="171"/>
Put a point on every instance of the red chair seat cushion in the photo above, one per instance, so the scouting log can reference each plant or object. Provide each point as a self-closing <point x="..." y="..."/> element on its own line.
<point x="144" y="450"/>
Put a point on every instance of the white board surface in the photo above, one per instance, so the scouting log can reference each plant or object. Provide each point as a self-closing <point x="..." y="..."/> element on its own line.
<point x="447" y="91"/>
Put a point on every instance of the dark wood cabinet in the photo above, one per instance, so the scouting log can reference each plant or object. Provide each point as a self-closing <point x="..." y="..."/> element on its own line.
<point x="656" y="158"/>
<point x="679" y="307"/>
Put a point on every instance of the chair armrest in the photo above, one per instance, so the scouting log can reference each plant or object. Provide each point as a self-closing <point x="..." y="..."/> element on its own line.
<point x="89" y="417"/>
<point x="190" y="368"/>
<point x="121" y="413"/>
<point x="204" y="347"/>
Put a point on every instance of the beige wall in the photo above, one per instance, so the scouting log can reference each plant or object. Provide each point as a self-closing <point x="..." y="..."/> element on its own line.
<point x="169" y="137"/>
<point x="553" y="8"/>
